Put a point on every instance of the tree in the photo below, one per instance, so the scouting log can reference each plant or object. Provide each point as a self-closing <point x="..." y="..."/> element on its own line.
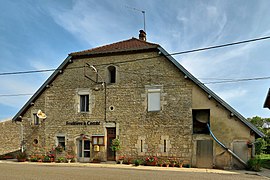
<point x="258" y="122"/>
<point x="261" y="144"/>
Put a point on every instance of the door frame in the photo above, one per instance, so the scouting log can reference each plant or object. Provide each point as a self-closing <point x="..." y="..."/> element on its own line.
<point x="110" y="136"/>
<point x="80" y="147"/>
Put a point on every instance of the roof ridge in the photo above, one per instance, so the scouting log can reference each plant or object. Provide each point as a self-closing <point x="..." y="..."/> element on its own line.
<point x="119" y="46"/>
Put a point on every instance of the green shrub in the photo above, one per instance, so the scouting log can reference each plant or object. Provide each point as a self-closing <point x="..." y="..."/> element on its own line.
<point x="137" y="162"/>
<point x="259" y="146"/>
<point x="254" y="164"/>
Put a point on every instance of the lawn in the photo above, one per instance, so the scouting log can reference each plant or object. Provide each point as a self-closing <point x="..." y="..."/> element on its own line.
<point x="265" y="158"/>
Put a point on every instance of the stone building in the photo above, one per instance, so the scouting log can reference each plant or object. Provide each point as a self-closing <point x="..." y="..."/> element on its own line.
<point x="136" y="92"/>
<point x="10" y="136"/>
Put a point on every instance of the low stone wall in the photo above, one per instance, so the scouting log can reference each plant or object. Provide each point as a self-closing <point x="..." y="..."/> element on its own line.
<point x="9" y="137"/>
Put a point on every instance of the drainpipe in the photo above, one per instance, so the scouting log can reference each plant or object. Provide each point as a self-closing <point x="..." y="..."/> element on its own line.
<point x="227" y="149"/>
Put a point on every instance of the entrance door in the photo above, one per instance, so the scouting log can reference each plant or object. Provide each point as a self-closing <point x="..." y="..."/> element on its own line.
<point x="205" y="153"/>
<point x="83" y="150"/>
<point x="111" y="135"/>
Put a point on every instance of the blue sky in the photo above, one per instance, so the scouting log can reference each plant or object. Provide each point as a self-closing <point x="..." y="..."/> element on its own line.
<point x="39" y="34"/>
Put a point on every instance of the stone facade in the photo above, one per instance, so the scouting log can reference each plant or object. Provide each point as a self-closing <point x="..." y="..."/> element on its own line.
<point x="122" y="106"/>
<point x="10" y="137"/>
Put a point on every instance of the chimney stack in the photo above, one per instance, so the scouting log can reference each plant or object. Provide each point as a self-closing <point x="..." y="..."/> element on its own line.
<point x="142" y="35"/>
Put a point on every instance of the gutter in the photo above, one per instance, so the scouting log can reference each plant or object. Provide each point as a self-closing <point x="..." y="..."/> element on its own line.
<point x="227" y="149"/>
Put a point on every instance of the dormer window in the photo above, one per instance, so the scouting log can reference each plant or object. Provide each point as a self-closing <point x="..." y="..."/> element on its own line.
<point x="111" y="74"/>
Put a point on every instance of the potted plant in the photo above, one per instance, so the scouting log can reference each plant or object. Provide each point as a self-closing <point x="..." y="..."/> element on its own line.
<point x="69" y="157"/>
<point x="137" y="162"/>
<point x="151" y="161"/>
<point x="180" y="162"/>
<point x="167" y="162"/>
<point x="21" y="156"/>
<point x="60" y="159"/>
<point x="33" y="158"/>
<point x="160" y="163"/>
<point x="115" y="145"/>
<point x="46" y="159"/>
<point x="173" y="162"/>
<point x="121" y="159"/>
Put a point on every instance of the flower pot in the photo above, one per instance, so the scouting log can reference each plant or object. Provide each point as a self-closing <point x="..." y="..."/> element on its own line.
<point x="22" y="160"/>
<point x="151" y="163"/>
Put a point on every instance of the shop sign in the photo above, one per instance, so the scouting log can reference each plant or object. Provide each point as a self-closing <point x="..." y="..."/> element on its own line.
<point x="82" y="123"/>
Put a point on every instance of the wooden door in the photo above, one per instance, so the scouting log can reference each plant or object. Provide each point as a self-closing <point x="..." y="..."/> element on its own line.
<point x="111" y="135"/>
<point x="204" y="154"/>
<point x="240" y="148"/>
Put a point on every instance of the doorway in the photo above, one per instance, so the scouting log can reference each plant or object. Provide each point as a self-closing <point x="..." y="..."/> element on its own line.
<point x="83" y="149"/>
<point x="240" y="148"/>
<point x="111" y="135"/>
<point x="204" y="154"/>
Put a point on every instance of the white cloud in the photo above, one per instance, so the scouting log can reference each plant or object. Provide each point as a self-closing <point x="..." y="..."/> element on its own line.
<point x="231" y="94"/>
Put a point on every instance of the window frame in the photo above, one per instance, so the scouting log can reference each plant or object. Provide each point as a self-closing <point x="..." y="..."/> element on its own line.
<point x="84" y="100"/>
<point x="111" y="74"/>
<point x="36" y="119"/>
<point x="61" y="143"/>
<point x="153" y="97"/>
<point x="80" y="92"/>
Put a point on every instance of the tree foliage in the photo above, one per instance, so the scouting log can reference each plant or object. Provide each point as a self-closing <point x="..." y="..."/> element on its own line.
<point x="262" y="145"/>
<point x="258" y="122"/>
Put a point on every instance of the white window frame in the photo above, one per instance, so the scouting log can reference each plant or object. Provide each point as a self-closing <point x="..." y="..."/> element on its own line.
<point x="80" y="93"/>
<point x="154" y="99"/>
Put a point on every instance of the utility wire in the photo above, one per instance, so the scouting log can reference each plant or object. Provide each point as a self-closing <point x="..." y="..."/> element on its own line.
<point x="238" y="80"/>
<point x="139" y="59"/>
<point x="220" y="46"/>
<point x="172" y="85"/>
<point x="8" y="95"/>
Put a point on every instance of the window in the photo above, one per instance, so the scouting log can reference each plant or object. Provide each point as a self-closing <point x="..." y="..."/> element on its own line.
<point x="84" y="103"/>
<point x="200" y="120"/>
<point x="153" y="98"/>
<point x="141" y="145"/>
<point x="36" y="119"/>
<point x="61" y="141"/>
<point x="111" y="74"/>
<point x="165" y="145"/>
<point x="98" y="140"/>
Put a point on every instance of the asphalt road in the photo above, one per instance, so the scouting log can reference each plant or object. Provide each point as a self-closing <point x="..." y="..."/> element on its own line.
<point x="18" y="171"/>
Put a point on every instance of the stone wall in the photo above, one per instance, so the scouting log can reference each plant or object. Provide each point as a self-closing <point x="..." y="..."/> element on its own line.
<point x="9" y="137"/>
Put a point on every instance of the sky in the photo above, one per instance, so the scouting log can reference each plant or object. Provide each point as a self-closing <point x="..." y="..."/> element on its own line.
<point x="39" y="34"/>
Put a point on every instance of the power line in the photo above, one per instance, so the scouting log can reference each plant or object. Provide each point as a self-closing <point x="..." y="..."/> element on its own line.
<point x="26" y="72"/>
<point x="238" y="80"/>
<point x="8" y="95"/>
<point x="172" y="85"/>
<point x="220" y="46"/>
<point x="139" y="59"/>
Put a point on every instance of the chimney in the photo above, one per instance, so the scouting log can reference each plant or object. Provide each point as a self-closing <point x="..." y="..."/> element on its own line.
<point x="142" y="35"/>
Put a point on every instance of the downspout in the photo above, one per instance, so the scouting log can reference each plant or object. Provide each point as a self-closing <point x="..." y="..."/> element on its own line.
<point x="227" y="149"/>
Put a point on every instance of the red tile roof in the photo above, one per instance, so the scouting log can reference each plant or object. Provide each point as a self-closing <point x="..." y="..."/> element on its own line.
<point x="132" y="44"/>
